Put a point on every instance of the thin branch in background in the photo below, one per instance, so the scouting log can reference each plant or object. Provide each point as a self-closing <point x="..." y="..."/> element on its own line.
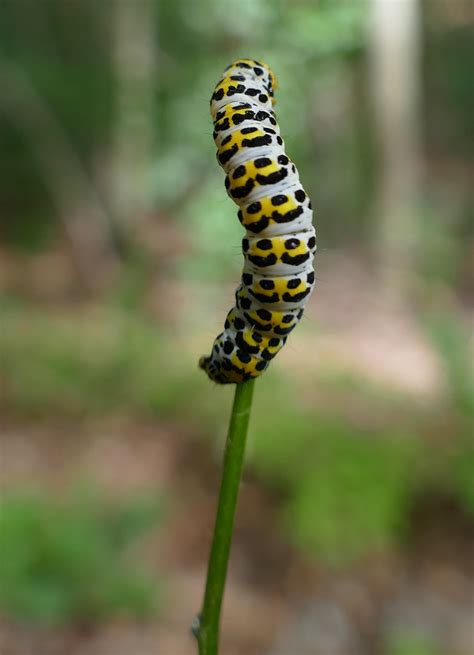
<point x="394" y="58"/>
<point x="134" y="49"/>
<point x="79" y="207"/>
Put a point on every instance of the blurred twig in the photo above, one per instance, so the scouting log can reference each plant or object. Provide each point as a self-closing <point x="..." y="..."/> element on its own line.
<point x="85" y="221"/>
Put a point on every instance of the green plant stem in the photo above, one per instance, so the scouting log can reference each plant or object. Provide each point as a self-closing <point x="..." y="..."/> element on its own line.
<point x="208" y="630"/>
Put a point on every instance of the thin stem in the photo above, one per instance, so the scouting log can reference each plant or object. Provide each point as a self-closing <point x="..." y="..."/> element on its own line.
<point x="208" y="629"/>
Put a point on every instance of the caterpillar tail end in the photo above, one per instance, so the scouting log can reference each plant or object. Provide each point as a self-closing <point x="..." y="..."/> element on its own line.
<point x="206" y="365"/>
<point x="232" y="374"/>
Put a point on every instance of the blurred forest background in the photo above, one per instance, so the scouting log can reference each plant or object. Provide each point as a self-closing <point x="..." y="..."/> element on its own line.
<point x="118" y="259"/>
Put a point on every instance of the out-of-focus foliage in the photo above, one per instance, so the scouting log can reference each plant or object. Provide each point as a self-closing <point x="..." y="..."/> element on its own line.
<point x="64" y="55"/>
<point x="69" y="367"/>
<point x="355" y="497"/>
<point x="348" y="489"/>
<point x="74" y="365"/>
<point x="411" y="644"/>
<point x="68" y="560"/>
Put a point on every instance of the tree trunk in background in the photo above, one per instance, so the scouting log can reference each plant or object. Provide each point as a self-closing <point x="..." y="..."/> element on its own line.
<point x="134" y="38"/>
<point x="395" y="87"/>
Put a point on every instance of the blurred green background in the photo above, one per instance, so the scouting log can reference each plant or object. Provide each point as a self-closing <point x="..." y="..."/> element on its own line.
<point x="119" y="254"/>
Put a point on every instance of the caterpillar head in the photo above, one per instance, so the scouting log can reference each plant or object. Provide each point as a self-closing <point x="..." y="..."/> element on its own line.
<point x="256" y="68"/>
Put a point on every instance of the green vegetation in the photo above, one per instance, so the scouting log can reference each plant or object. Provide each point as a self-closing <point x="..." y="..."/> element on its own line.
<point x="70" y="559"/>
<point x="411" y="644"/>
<point x="84" y="365"/>
<point x="347" y="490"/>
<point x="451" y="340"/>
<point x="462" y="472"/>
<point x="350" y="492"/>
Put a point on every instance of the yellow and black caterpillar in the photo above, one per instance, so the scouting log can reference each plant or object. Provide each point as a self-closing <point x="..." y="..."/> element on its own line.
<point x="279" y="246"/>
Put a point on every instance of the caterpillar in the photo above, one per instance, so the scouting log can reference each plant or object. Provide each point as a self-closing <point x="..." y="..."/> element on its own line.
<point x="280" y="241"/>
